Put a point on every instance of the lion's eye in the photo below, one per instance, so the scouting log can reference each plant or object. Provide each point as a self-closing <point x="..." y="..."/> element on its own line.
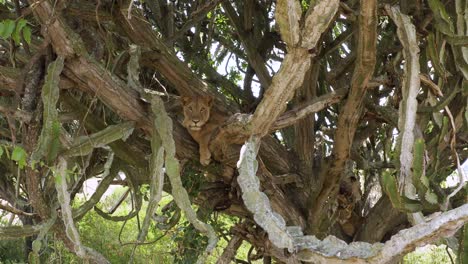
<point x="190" y="109"/>
<point x="202" y="109"/>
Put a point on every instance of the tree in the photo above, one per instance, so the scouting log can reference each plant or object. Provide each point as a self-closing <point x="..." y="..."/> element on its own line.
<point x="351" y="115"/>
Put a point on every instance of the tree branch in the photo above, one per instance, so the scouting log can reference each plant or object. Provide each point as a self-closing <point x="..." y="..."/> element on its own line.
<point x="15" y="232"/>
<point x="333" y="251"/>
<point x="301" y="111"/>
<point x="409" y="105"/>
<point x="14" y="210"/>
<point x="256" y="201"/>
<point x="351" y="112"/>
<point x="230" y="250"/>
<point x="291" y="74"/>
<point x="163" y="60"/>
<point x="196" y="16"/>
<point x="172" y="168"/>
<point x="254" y="57"/>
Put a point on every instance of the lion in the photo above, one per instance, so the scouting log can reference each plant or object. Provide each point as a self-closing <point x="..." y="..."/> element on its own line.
<point x="200" y="123"/>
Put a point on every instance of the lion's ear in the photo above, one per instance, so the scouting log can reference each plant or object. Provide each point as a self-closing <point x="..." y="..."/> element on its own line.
<point x="209" y="100"/>
<point x="185" y="100"/>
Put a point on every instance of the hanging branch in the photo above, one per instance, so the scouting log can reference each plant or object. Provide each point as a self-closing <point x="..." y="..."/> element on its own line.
<point x="48" y="142"/>
<point x="164" y="129"/>
<point x="409" y="105"/>
<point x="61" y="175"/>
<point x="157" y="157"/>
<point x="63" y="196"/>
<point x="256" y="201"/>
<point x="107" y="177"/>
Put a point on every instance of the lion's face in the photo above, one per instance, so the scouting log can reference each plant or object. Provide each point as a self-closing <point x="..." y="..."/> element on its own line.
<point x="196" y="111"/>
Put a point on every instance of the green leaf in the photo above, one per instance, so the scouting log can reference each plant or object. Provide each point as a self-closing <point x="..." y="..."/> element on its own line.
<point x="21" y="24"/>
<point x="17" y="33"/>
<point x="19" y="155"/>
<point x="6" y="28"/>
<point x="16" y="37"/>
<point x="1" y="151"/>
<point x="27" y="34"/>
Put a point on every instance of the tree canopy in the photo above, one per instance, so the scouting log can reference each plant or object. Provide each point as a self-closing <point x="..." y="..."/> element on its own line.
<point x="345" y="123"/>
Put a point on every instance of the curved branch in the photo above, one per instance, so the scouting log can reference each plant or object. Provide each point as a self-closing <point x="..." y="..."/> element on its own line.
<point x="107" y="178"/>
<point x="138" y="202"/>
<point x="14" y="210"/>
<point x="333" y="250"/>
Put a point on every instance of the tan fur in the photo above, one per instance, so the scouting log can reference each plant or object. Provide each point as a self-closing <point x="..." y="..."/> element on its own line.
<point x="200" y="124"/>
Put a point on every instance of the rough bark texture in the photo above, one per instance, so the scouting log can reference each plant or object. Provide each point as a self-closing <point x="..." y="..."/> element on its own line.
<point x="408" y="106"/>
<point x="351" y="112"/>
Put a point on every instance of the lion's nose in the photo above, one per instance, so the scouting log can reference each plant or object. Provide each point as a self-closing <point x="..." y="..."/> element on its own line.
<point x="196" y="120"/>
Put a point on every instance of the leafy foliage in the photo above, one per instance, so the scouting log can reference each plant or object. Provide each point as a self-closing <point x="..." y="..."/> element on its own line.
<point x="15" y="30"/>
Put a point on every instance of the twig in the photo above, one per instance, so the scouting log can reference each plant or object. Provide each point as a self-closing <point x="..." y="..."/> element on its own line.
<point x="435" y="89"/>
<point x="461" y="174"/>
<point x="195" y="18"/>
<point x="14" y="210"/>
<point x="448" y="253"/>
